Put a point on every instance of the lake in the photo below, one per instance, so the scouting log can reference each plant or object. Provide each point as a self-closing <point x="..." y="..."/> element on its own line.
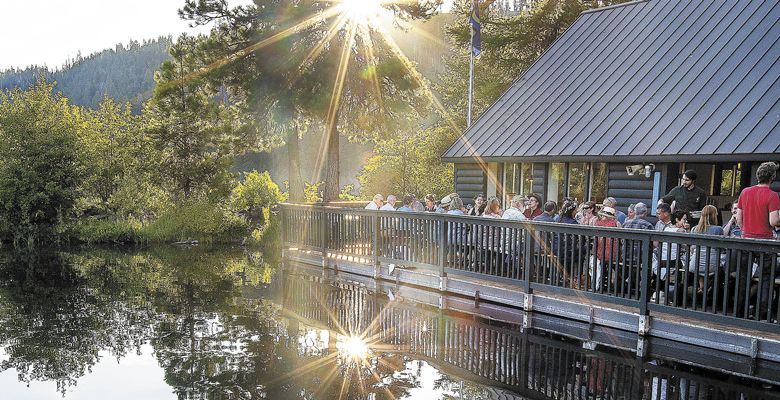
<point x="203" y="322"/>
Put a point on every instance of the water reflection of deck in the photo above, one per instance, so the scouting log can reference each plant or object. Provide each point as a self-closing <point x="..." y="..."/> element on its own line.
<point x="548" y="359"/>
<point x="562" y="270"/>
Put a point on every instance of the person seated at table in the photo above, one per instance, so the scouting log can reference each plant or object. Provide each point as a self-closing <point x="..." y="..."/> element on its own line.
<point x="587" y="215"/>
<point x="667" y="266"/>
<point x="377" y="203"/>
<point x="533" y="206"/>
<point x="479" y="206"/>
<point x="515" y="211"/>
<point x="492" y="208"/>
<point x="705" y="260"/>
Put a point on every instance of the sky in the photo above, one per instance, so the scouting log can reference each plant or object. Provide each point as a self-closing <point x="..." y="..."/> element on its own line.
<point x="48" y="32"/>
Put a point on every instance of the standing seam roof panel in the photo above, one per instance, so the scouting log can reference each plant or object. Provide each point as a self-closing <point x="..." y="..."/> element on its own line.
<point x="592" y="98"/>
<point x="669" y="79"/>
<point x="631" y="79"/>
<point x="542" y="105"/>
<point x="617" y="103"/>
<point x="706" y="79"/>
<point x="530" y="89"/>
<point x="745" y="89"/>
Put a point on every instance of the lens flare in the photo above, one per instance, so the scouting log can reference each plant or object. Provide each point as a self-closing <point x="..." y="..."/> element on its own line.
<point x="361" y="11"/>
<point x="354" y="347"/>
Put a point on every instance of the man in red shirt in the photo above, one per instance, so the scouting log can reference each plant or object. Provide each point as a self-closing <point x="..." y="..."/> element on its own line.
<point x="758" y="213"/>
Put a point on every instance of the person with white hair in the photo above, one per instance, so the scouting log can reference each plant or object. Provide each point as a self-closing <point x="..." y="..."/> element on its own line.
<point x="390" y="205"/>
<point x="619" y="215"/>
<point x="377" y="203"/>
<point x="515" y="211"/>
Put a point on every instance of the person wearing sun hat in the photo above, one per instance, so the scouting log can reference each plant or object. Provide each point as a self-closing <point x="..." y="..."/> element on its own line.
<point x="606" y="248"/>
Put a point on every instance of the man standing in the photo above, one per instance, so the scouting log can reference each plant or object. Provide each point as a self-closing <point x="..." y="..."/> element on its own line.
<point x="377" y="203"/>
<point x="758" y="214"/>
<point x="688" y="197"/>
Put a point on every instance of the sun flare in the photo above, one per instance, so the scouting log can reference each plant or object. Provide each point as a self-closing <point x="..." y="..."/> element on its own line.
<point x="354" y="347"/>
<point x="361" y="11"/>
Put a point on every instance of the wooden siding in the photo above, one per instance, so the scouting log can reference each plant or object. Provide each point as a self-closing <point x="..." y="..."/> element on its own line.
<point x="540" y="179"/>
<point x="470" y="181"/>
<point x="627" y="189"/>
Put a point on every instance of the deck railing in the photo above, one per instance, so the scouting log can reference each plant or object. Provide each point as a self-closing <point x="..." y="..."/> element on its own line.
<point x="727" y="280"/>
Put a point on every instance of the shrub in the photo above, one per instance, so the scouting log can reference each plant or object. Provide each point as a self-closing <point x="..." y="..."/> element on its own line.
<point x="256" y="192"/>
<point x="200" y="220"/>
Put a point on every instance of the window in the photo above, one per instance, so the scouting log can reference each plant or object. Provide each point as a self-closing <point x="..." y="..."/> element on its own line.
<point x="510" y="182"/>
<point x="578" y="181"/>
<point x="598" y="188"/>
<point x="556" y="185"/>
<point x="527" y="181"/>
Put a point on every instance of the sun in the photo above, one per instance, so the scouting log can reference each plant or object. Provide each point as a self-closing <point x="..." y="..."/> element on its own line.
<point x="361" y="11"/>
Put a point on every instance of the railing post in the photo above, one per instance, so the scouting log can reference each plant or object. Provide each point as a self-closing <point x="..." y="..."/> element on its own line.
<point x="375" y="238"/>
<point x="528" y="256"/>
<point x="442" y="254"/>
<point x="324" y="237"/>
<point x="283" y="215"/>
<point x="644" y="289"/>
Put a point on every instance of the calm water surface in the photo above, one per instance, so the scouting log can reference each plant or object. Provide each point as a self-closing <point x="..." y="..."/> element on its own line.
<point x="200" y="323"/>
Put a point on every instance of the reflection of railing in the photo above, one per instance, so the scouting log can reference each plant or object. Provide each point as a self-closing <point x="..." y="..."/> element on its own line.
<point x="725" y="280"/>
<point x="535" y="366"/>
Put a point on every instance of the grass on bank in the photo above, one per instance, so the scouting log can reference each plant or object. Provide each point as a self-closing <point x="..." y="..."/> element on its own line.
<point x="202" y="221"/>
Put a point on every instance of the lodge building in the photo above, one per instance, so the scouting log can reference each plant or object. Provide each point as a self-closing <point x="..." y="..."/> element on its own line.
<point x="628" y="98"/>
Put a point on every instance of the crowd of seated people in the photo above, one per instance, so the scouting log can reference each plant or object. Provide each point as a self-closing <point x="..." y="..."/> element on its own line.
<point x="755" y="215"/>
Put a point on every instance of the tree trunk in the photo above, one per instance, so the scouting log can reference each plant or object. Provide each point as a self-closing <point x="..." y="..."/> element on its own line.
<point x="332" y="187"/>
<point x="294" y="165"/>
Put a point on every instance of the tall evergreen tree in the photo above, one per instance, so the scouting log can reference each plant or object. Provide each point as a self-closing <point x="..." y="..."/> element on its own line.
<point x="292" y="63"/>
<point x="192" y="134"/>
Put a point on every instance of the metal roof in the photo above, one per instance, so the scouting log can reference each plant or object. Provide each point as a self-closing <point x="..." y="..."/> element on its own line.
<point x="656" y="79"/>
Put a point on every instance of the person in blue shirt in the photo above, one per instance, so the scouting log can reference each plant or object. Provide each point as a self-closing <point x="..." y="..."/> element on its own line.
<point x="549" y="212"/>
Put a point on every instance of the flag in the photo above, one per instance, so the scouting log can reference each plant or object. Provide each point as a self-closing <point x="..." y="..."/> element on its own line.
<point x="476" y="29"/>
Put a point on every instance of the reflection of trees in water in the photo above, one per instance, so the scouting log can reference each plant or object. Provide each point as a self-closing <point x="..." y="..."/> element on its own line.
<point x="52" y="324"/>
<point x="221" y="328"/>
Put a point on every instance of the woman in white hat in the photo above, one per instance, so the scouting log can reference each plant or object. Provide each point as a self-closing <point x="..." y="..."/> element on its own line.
<point x="607" y="249"/>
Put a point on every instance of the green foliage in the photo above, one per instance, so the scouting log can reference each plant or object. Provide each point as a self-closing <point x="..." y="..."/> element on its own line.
<point x="93" y="231"/>
<point x="193" y="135"/>
<point x="118" y="159"/>
<point x="347" y="193"/>
<point x="312" y="192"/>
<point x="257" y="192"/>
<point x="409" y="163"/>
<point x="201" y="220"/>
<point x="40" y="172"/>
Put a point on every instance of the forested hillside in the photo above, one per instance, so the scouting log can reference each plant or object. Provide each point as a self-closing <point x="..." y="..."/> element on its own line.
<point x="125" y="73"/>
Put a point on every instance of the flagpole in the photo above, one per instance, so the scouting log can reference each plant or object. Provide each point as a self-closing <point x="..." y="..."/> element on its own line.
<point x="471" y="77"/>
